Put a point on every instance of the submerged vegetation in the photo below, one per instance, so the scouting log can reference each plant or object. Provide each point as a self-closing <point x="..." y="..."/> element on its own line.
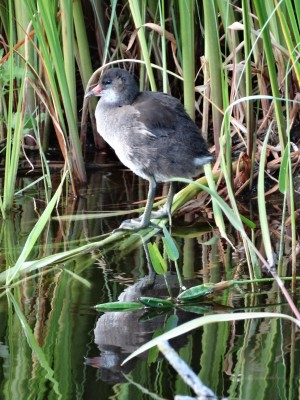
<point x="235" y="65"/>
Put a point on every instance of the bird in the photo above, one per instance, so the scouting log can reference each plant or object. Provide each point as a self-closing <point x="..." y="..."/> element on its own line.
<point x="151" y="133"/>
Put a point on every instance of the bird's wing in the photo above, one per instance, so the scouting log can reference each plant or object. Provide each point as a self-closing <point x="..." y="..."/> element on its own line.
<point x="158" y="110"/>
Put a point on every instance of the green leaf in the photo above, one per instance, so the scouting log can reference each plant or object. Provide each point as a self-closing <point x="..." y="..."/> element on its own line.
<point x="248" y="222"/>
<point x="171" y="323"/>
<point x="263" y="218"/>
<point x="158" y="262"/>
<point x="35" y="233"/>
<point x="155" y="302"/>
<point x="118" y="306"/>
<point x="170" y="245"/>
<point x="283" y="170"/>
<point x="195" y="293"/>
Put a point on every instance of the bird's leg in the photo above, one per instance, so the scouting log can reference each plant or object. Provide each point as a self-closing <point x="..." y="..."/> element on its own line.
<point x="165" y="211"/>
<point x="169" y="202"/>
<point x="150" y="200"/>
<point x="144" y="220"/>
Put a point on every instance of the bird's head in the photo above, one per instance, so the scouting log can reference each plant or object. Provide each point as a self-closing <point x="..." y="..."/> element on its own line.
<point x="116" y="87"/>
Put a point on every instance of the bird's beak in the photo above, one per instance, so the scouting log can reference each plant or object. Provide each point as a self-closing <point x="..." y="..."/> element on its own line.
<point x="96" y="91"/>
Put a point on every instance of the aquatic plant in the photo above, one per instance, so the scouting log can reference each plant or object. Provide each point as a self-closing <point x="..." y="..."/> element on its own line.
<point x="235" y="65"/>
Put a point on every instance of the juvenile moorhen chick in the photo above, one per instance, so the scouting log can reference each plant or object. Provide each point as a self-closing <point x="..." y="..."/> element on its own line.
<point x="151" y="134"/>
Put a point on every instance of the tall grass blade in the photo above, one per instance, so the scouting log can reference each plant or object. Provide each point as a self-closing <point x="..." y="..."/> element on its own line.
<point x="264" y="25"/>
<point x="137" y="17"/>
<point x="84" y="58"/>
<point x="13" y="138"/>
<point x="186" y="14"/>
<point x="262" y="203"/>
<point x="44" y="22"/>
<point x="36" y="231"/>
<point x="213" y="57"/>
<point x="290" y="31"/>
<point x="248" y="69"/>
<point x="218" y="216"/>
<point x="66" y="7"/>
<point x="161" y="5"/>
<point x="284" y="170"/>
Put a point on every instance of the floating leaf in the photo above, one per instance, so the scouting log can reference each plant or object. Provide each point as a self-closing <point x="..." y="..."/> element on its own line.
<point x="118" y="306"/>
<point x="155" y="302"/>
<point x="195" y="292"/>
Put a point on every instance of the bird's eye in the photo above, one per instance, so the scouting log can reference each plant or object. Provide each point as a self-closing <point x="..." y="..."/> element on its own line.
<point x="106" y="82"/>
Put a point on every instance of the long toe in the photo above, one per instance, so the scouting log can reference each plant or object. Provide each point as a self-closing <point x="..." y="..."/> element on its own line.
<point x="135" y="225"/>
<point x="131" y="225"/>
<point x="161" y="213"/>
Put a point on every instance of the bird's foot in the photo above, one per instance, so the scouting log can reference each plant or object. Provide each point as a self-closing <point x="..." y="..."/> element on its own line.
<point x="135" y="224"/>
<point x="161" y="213"/>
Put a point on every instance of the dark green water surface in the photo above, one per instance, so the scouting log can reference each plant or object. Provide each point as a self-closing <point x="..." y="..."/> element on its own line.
<point x="54" y="345"/>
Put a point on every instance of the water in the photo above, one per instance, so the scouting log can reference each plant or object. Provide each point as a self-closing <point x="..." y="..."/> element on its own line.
<point x="54" y="344"/>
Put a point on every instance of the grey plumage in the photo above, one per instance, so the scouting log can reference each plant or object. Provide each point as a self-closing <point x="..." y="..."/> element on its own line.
<point x="150" y="132"/>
